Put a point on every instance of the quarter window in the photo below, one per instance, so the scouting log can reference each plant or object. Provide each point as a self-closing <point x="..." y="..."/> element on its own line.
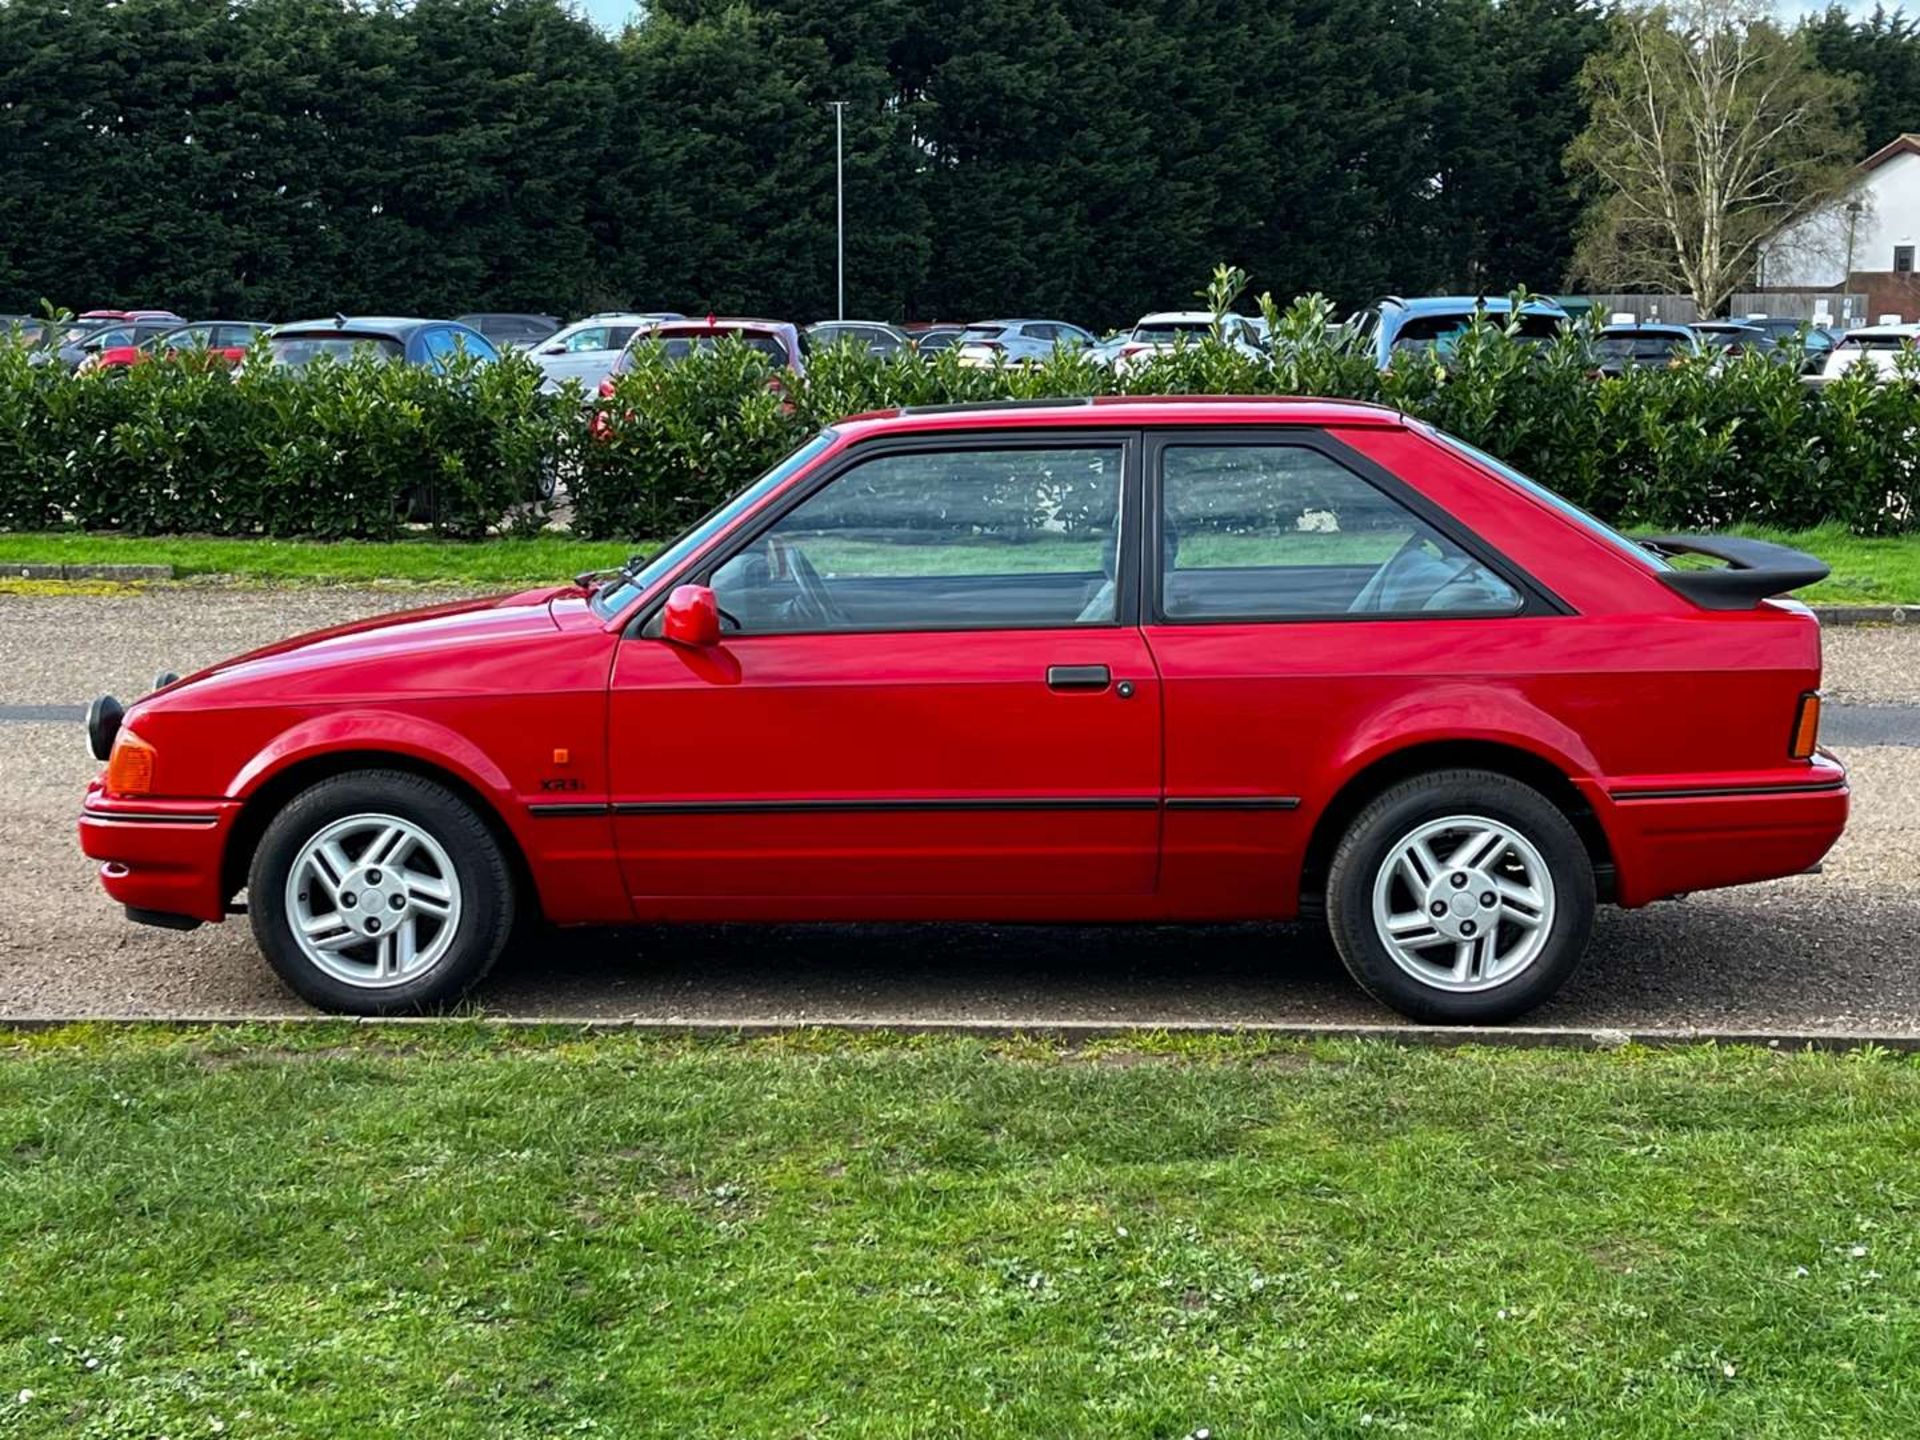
<point x="936" y="540"/>
<point x="1287" y="532"/>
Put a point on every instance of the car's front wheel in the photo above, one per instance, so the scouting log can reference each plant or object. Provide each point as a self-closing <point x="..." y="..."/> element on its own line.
<point x="1461" y="897"/>
<point x="380" y="892"/>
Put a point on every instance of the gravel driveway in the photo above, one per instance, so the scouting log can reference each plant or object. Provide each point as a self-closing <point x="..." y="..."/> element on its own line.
<point x="1837" y="951"/>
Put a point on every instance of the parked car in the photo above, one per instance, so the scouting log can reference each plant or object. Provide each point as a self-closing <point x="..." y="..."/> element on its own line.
<point x="124" y="315"/>
<point x="225" y="340"/>
<point x="387" y="338"/>
<point x="930" y="337"/>
<point x="512" y="331"/>
<point x="585" y="350"/>
<point x="677" y="339"/>
<point x="1778" y="335"/>
<point x="1401" y="329"/>
<point x="27" y="330"/>
<point x="1879" y="346"/>
<point x="921" y="670"/>
<point x="1159" y="333"/>
<point x="1647" y="346"/>
<point x="81" y="347"/>
<point x="875" y="336"/>
<point x="1016" y="342"/>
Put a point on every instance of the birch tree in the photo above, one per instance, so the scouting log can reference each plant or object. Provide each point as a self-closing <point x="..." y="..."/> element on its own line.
<point x="1710" y="130"/>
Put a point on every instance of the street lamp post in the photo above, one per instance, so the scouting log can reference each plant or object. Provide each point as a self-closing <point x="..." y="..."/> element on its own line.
<point x="839" y="206"/>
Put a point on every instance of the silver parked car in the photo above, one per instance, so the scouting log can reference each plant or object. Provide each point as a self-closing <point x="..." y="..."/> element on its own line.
<point x="585" y="350"/>
<point x="1017" y="342"/>
<point x="876" y="337"/>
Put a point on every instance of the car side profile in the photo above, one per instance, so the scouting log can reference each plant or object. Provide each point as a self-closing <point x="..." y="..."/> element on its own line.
<point x="1397" y="329"/>
<point x="1125" y="659"/>
<point x="987" y="343"/>
<point x="876" y="337"/>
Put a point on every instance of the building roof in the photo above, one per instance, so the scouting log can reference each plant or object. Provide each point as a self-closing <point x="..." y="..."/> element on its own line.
<point x="1907" y="144"/>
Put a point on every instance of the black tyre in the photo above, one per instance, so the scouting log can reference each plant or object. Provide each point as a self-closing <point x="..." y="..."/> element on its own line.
<point x="380" y="892"/>
<point x="1461" y="897"/>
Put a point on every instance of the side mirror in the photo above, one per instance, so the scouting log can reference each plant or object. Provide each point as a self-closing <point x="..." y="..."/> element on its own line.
<point x="554" y="350"/>
<point x="692" y="617"/>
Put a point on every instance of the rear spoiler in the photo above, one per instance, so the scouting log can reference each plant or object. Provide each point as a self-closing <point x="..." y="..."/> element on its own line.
<point x="1754" y="570"/>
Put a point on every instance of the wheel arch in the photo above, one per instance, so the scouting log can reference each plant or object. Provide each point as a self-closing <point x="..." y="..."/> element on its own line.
<point x="273" y="793"/>
<point x="1383" y="771"/>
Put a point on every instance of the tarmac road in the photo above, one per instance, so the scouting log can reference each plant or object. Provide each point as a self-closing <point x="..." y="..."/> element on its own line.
<point x="1834" y="952"/>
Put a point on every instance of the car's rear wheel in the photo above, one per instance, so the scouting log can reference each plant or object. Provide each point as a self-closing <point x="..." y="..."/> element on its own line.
<point x="380" y="892"/>
<point x="1461" y="897"/>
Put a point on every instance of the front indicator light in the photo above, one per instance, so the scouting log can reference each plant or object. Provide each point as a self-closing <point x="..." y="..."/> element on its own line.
<point x="130" y="767"/>
<point x="1806" y="726"/>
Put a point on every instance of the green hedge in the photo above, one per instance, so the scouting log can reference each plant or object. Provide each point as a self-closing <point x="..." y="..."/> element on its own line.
<point x="363" y="449"/>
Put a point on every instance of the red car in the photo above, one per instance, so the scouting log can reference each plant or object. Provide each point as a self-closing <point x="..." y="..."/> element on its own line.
<point x="1121" y="660"/>
<point x="223" y="340"/>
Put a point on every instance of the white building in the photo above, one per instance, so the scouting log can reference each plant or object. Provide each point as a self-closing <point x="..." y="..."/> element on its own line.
<point x="1875" y="233"/>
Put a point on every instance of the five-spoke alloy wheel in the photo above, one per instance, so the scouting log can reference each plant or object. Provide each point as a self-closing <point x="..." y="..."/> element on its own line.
<point x="379" y="892"/>
<point x="1461" y="896"/>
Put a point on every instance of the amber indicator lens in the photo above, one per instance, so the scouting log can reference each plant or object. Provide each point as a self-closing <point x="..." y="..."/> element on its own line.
<point x="130" y="768"/>
<point x="1806" y="726"/>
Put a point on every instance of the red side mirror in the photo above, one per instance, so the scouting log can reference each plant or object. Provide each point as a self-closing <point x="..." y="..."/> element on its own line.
<point x="692" y="617"/>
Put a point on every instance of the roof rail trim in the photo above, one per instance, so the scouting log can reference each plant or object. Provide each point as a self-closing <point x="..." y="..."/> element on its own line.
<point x="963" y="407"/>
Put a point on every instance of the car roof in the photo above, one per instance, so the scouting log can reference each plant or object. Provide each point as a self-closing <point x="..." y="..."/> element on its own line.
<point x="1898" y="330"/>
<point x="1645" y="327"/>
<point x="1109" y="411"/>
<point x="394" y="325"/>
<point x="1455" y="304"/>
<point x="1720" y="327"/>
<point x="1170" y="317"/>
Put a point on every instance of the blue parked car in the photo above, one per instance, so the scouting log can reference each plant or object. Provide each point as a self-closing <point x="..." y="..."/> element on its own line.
<point x="410" y="342"/>
<point x="1398" y="329"/>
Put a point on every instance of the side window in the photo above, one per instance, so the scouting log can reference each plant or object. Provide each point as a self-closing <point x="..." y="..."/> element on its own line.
<point x="590" y="339"/>
<point x="938" y="539"/>
<point x="1274" y="532"/>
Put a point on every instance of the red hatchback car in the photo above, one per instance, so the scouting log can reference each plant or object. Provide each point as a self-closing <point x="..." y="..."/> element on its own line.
<point x="1119" y="660"/>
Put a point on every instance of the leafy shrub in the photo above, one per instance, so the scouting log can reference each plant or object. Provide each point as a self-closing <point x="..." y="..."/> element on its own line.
<point x="362" y="449"/>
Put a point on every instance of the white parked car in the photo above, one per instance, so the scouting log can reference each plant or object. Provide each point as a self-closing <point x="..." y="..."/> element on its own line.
<point x="1878" y="345"/>
<point x="1155" y="334"/>
<point x="987" y="343"/>
<point x="585" y="350"/>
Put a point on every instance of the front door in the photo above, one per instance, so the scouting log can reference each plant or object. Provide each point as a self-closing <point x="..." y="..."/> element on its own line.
<point x="930" y="696"/>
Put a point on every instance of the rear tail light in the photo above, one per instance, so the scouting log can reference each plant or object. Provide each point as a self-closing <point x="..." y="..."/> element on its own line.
<point x="606" y="388"/>
<point x="130" y="767"/>
<point x="1806" y="726"/>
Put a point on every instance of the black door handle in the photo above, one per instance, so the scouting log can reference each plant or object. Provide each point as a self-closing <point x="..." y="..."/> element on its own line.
<point x="1078" y="677"/>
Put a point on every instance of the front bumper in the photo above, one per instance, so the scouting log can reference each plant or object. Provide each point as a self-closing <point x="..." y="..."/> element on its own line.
<point x="159" y="856"/>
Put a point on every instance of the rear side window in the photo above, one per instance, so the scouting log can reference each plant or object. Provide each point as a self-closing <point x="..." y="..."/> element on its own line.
<point x="1280" y="532"/>
<point x="299" y="351"/>
<point x="938" y="540"/>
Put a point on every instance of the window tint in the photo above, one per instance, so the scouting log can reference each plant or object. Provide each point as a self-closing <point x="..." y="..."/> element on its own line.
<point x="938" y="540"/>
<point x="593" y="338"/>
<point x="1283" y="531"/>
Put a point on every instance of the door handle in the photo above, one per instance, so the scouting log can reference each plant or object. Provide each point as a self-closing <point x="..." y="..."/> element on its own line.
<point x="1078" y="677"/>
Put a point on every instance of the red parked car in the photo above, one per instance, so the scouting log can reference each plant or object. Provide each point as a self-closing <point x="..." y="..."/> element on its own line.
<point x="1120" y="660"/>
<point x="226" y="341"/>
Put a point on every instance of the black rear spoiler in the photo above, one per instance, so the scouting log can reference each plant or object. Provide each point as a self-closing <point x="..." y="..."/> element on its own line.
<point x="1754" y="570"/>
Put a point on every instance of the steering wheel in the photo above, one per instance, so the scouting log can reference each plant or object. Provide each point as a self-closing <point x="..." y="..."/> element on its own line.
<point x="812" y="600"/>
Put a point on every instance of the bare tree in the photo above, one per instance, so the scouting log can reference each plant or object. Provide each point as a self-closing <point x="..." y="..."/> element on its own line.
<point x="1711" y="130"/>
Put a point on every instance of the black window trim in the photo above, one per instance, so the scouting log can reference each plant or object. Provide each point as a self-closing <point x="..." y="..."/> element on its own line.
<point x="699" y="568"/>
<point x="1535" y="599"/>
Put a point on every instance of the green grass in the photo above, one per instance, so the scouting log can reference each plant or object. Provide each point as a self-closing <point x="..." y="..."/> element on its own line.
<point x="448" y="1232"/>
<point x="1879" y="570"/>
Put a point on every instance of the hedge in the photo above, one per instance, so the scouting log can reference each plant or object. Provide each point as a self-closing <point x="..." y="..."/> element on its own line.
<point x="365" y="450"/>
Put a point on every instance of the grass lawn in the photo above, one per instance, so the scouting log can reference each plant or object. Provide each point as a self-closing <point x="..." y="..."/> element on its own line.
<point x="453" y="1232"/>
<point x="1866" y="571"/>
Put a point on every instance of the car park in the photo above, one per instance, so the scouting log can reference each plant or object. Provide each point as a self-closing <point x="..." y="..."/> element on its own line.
<point x="1880" y="347"/>
<point x="402" y="340"/>
<point x="585" y="350"/>
<point x="1398" y="329"/>
<point x="1134" y="659"/>
<point x="512" y="331"/>
<point x="1166" y="330"/>
<point x="1643" y="346"/>
<point x="987" y="343"/>
<point x="876" y="337"/>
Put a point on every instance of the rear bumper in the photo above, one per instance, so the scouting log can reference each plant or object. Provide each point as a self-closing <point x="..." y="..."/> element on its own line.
<point x="1669" y="841"/>
<point x="160" y="856"/>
